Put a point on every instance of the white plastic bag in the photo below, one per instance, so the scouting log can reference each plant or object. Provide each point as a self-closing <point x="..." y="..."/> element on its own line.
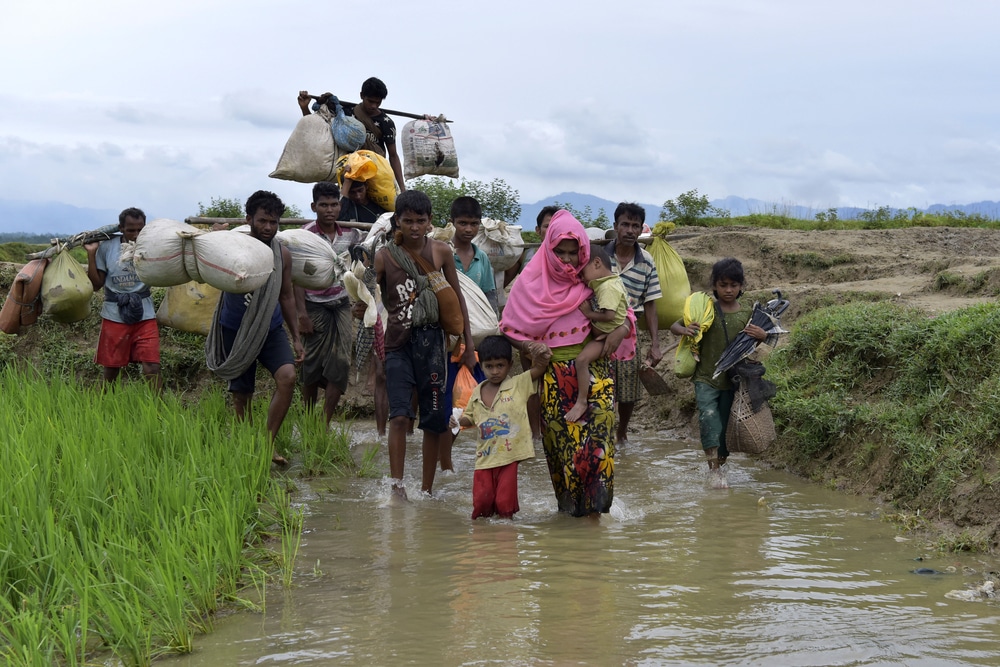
<point x="428" y="149"/>
<point x="482" y="319"/>
<point x="501" y="242"/>
<point x="310" y="154"/>
<point x="315" y="265"/>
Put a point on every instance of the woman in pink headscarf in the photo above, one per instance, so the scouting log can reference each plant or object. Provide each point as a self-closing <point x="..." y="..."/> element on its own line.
<point x="544" y="307"/>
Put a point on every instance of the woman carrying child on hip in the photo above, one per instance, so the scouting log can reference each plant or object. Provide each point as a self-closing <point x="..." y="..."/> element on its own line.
<point x="714" y="397"/>
<point x="498" y="409"/>
<point x="544" y="307"/>
<point x="608" y="312"/>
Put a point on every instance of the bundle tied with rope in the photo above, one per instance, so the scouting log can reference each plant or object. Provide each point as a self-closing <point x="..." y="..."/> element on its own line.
<point x="253" y="329"/>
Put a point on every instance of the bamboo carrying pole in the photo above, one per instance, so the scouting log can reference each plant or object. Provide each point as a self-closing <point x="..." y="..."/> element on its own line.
<point x="348" y="106"/>
<point x="298" y="222"/>
<point x="197" y="220"/>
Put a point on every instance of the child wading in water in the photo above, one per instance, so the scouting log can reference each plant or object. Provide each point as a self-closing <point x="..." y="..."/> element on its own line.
<point x="612" y="309"/>
<point x="498" y="409"/>
<point x="714" y="398"/>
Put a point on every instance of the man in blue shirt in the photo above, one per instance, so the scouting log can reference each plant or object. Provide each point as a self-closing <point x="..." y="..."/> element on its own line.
<point x="128" y="321"/>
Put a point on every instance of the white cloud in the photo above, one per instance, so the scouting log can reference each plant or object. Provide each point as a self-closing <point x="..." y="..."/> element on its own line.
<point x="837" y="103"/>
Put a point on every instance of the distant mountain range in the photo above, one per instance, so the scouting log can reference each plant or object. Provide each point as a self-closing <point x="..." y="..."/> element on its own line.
<point x="51" y="218"/>
<point x="58" y="219"/>
<point x="737" y="206"/>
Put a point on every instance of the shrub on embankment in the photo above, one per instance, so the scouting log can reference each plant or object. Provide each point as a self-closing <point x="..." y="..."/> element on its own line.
<point x="881" y="399"/>
<point x="126" y="519"/>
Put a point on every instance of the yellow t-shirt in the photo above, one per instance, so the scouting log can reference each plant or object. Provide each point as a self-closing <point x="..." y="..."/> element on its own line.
<point x="610" y="294"/>
<point x="504" y="431"/>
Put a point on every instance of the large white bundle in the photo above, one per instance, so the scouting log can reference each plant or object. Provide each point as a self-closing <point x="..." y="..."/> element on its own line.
<point x="310" y="155"/>
<point x="314" y="263"/>
<point x="159" y="253"/>
<point x="169" y="253"/>
<point x="501" y="242"/>
<point x="482" y="319"/>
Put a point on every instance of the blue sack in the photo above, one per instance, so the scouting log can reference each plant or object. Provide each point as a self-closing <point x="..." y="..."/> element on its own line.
<point x="348" y="133"/>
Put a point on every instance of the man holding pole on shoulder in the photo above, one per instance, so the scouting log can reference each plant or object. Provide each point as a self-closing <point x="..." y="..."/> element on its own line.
<point x="379" y="128"/>
<point x="128" y="320"/>
<point x="324" y="316"/>
<point x="247" y="328"/>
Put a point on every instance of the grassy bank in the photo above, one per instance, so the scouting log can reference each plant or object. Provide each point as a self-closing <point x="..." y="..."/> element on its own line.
<point x="883" y="400"/>
<point x="127" y="520"/>
<point x="879" y="218"/>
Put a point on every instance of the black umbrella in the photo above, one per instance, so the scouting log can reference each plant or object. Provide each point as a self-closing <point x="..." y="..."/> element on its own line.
<point x="99" y="234"/>
<point x="742" y="346"/>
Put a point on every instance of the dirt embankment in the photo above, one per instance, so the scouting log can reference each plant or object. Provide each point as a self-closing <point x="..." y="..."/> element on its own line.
<point x="933" y="269"/>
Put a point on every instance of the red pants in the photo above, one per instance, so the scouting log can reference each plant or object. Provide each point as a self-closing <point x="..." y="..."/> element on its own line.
<point x="494" y="491"/>
<point x="120" y="344"/>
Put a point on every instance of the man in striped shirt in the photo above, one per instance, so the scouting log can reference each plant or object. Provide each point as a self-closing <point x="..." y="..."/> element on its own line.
<point x="638" y="272"/>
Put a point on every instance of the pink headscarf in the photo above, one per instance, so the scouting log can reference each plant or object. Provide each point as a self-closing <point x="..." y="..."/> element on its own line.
<point x="544" y="303"/>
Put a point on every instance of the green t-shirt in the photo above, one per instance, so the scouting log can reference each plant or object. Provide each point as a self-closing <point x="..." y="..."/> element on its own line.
<point x="713" y="344"/>
<point x="610" y="295"/>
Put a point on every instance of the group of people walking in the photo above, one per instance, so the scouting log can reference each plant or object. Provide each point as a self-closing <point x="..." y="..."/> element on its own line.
<point x="570" y="315"/>
<point x="578" y="352"/>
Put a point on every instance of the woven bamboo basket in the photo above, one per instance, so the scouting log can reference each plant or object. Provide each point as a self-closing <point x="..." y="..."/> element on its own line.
<point x="749" y="432"/>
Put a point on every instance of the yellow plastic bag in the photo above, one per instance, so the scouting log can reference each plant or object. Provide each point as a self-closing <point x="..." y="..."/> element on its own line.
<point x="189" y="307"/>
<point x="375" y="171"/>
<point x="699" y="308"/>
<point x="673" y="278"/>
<point x="66" y="289"/>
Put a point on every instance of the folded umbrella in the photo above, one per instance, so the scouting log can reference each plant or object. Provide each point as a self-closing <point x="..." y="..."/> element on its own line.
<point x="742" y="345"/>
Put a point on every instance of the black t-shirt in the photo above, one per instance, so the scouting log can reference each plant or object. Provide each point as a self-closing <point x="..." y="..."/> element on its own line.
<point x="351" y="212"/>
<point x="384" y="124"/>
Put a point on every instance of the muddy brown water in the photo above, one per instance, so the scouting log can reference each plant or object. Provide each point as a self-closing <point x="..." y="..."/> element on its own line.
<point x="773" y="571"/>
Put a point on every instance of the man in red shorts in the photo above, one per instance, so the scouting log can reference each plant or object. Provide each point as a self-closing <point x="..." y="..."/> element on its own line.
<point x="128" y="320"/>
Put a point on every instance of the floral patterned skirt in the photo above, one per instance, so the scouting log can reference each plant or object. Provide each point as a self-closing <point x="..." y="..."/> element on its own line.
<point x="581" y="456"/>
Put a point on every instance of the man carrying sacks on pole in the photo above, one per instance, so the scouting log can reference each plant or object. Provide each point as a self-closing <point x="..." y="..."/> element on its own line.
<point x="247" y="328"/>
<point x="379" y="128"/>
<point x="128" y="320"/>
<point x="324" y="316"/>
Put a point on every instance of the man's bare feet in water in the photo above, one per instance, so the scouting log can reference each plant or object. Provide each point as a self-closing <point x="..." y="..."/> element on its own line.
<point x="398" y="494"/>
<point x="278" y="459"/>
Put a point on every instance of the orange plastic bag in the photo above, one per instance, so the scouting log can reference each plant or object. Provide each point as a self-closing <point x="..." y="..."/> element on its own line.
<point x="465" y="384"/>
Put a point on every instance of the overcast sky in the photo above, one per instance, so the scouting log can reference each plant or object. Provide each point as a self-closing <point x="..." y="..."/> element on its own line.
<point x="107" y="103"/>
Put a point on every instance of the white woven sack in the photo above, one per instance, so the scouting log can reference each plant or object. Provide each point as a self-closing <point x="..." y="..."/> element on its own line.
<point x="310" y="154"/>
<point x="428" y="149"/>
<point x="315" y="265"/>
<point x="159" y="253"/>
<point x="169" y="253"/>
<point x="229" y="261"/>
<point x="482" y="319"/>
<point x="501" y="242"/>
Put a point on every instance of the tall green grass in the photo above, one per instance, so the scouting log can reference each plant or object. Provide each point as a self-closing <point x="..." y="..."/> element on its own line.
<point x="904" y="404"/>
<point x="125" y="519"/>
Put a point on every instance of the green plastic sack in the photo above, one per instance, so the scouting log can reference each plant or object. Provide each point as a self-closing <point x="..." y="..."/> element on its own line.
<point x="673" y="279"/>
<point x="66" y="289"/>
<point x="699" y="308"/>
